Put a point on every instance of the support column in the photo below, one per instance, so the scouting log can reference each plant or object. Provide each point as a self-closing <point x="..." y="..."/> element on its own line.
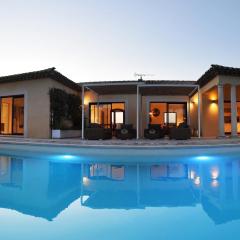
<point x="199" y="113"/>
<point x="221" y="132"/>
<point x="233" y="111"/>
<point x="137" y="113"/>
<point x="188" y="112"/>
<point x="83" y="112"/>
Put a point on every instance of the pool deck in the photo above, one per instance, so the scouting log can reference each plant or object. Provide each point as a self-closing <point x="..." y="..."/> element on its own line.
<point x="161" y="143"/>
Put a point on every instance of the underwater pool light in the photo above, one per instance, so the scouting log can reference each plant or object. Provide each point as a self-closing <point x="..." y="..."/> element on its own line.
<point x="203" y="158"/>
<point x="68" y="157"/>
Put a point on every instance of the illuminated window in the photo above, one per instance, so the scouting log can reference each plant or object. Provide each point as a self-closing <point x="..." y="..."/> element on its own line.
<point x="170" y="118"/>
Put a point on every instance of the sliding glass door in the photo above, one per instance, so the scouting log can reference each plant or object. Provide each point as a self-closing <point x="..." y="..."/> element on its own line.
<point x="167" y="114"/>
<point x="6" y="115"/>
<point x="12" y="115"/>
<point x="109" y="115"/>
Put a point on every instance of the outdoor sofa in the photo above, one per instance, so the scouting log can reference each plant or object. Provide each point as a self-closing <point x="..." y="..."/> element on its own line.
<point x="126" y="132"/>
<point x="96" y="132"/>
<point x="182" y="132"/>
<point x="154" y="131"/>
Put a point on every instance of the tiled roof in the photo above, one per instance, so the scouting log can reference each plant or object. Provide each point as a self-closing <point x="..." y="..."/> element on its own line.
<point x="46" y="73"/>
<point x="217" y="70"/>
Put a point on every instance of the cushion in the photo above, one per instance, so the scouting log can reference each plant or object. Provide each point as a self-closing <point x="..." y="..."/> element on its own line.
<point x="152" y="131"/>
<point x="124" y="131"/>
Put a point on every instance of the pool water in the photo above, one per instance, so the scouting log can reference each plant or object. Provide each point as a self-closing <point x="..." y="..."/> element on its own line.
<point x="64" y="196"/>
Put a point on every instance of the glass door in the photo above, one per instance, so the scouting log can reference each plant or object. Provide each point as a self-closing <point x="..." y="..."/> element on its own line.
<point x="18" y="115"/>
<point x="12" y="115"/>
<point x="108" y="115"/>
<point x="177" y="113"/>
<point x="6" y="115"/>
<point x="117" y="118"/>
<point x="167" y="114"/>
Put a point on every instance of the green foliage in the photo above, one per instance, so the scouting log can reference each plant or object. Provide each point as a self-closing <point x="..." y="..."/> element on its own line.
<point x="65" y="110"/>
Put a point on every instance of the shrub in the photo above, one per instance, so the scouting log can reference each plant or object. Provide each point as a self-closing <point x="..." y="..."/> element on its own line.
<point x="65" y="110"/>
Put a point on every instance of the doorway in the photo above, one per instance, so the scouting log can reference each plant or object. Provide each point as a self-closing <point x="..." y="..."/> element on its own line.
<point x="12" y="115"/>
<point x="117" y="118"/>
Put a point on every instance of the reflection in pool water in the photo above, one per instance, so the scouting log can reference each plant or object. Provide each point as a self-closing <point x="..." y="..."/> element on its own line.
<point x="119" y="201"/>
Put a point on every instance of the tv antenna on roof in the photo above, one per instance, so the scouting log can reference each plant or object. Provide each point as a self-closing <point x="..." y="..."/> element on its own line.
<point x="141" y="75"/>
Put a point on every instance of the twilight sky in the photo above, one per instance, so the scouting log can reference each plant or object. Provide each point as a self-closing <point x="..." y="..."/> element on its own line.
<point x="92" y="40"/>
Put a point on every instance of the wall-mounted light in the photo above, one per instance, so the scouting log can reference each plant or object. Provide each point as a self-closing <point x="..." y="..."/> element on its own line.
<point x="214" y="101"/>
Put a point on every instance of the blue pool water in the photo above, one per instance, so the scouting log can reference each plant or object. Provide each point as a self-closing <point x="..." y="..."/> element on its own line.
<point x="119" y="194"/>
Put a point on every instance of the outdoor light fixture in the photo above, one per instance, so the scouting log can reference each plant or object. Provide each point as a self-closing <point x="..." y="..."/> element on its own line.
<point x="213" y="101"/>
<point x="68" y="156"/>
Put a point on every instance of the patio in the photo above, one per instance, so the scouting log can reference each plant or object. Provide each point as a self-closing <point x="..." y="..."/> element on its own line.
<point x="161" y="143"/>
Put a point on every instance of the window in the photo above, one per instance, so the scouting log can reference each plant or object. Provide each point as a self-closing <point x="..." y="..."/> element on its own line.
<point x="167" y="113"/>
<point x="170" y="118"/>
<point x="107" y="114"/>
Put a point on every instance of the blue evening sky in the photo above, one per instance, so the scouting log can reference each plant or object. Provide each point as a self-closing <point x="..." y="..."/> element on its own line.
<point x="91" y="40"/>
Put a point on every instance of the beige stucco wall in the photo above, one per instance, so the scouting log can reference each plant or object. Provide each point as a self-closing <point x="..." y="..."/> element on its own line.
<point x="193" y="112"/>
<point x="36" y="104"/>
<point x="209" y="114"/>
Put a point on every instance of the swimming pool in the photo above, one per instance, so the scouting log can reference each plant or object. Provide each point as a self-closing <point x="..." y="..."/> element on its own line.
<point x="89" y="193"/>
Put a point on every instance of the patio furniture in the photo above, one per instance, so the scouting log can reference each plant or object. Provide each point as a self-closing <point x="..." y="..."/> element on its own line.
<point x="154" y="131"/>
<point x="126" y="132"/>
<point x="96" y="132"/>
<point x="182" y="132"/>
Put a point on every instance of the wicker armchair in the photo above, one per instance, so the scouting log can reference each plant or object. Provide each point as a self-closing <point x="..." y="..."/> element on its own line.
<point x="96" y="132"/>
<point x="154" y="131"/>
<point x="182" y="132"/>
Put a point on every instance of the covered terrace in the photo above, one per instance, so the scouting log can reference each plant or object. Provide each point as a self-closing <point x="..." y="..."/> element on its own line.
<point x="137" y="96"/>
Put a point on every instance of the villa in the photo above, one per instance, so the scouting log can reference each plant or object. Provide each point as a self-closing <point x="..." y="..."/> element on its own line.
<point x="210" y="105"/>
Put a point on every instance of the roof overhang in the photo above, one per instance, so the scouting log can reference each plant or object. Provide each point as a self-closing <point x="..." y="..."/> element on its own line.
<point x="145" y="88"/>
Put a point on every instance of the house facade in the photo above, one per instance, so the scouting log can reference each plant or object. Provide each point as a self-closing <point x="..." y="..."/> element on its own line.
<point x="25" y="102"/>
<point x="210" y="105"/>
